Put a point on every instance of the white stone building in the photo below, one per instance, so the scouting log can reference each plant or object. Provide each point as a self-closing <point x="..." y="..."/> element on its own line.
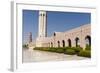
<point x="74" y="37"/>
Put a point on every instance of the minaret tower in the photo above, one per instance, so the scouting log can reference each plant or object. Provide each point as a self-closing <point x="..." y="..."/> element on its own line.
<point x="42" y="28"/>
<point x="42" y="32"/>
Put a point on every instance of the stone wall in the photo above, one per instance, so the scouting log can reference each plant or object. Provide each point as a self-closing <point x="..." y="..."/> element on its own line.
<point x="73" y="37"/>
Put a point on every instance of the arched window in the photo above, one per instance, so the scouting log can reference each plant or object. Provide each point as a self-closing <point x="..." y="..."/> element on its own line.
<point x="51" y="44"/>
<point x="58" y="43"/>
<point x="43" y="14"/>
<point x="63" y="43"/>
<point x="77" y="41"/>
<point x="40" y="14"/>
<point x="69" y="43"/>
<point x="88" y="40"/>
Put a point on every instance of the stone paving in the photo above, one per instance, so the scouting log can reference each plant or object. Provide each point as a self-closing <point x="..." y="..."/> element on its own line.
<point x="40" y="56"/>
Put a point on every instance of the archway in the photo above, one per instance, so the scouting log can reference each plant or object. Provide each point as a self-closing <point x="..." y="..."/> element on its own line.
<point x="69" y="43"/>
<point x="88" y="40"/>
<point x="51" y="44"/>
<point x="63" y="43"/>
<point x="58" y="43"/>
<point x="77" y="41"/>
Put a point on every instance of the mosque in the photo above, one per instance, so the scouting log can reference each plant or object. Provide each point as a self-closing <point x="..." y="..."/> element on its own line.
<point x="79" y="36"/>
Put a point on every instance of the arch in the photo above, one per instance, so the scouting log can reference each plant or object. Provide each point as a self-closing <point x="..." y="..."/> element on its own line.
<point x="58" y="43"/>
<point x="40" y="14"/>
<point x="54" y="34"/>
<point x="51" y="44"/>
<point x="63" y="43"/>
<point x="69" y="43"/>
<point x="43" y="14"/>
<point x="77" y="41"/>
<point x="88" y="40"/>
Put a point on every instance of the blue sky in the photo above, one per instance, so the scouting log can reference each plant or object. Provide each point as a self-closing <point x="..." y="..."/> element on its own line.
<point x="56" y="21"/>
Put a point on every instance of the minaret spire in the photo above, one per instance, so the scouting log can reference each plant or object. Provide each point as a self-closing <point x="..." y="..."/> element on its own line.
<point x="42" y="24"/>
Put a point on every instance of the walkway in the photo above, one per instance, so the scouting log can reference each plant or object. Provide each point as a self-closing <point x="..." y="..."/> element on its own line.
<point x="39" y="56"/>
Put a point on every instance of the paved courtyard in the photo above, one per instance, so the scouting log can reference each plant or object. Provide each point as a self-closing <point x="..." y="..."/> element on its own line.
<point x="39" y="56"/>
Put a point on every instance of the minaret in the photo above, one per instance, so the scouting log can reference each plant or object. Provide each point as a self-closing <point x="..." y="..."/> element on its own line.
<point x="42" y="32"/>
<point x="30" y="37"/>
<point x="42" y="28"/>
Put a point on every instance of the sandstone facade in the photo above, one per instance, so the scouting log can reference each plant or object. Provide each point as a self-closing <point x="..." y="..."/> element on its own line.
<point x="74" y="37"/>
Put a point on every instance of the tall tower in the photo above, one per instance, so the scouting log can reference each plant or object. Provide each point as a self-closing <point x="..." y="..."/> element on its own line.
<point x="30" y="37"/>
<point x="42" y="32"/>
<point x="42" y="28"/>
